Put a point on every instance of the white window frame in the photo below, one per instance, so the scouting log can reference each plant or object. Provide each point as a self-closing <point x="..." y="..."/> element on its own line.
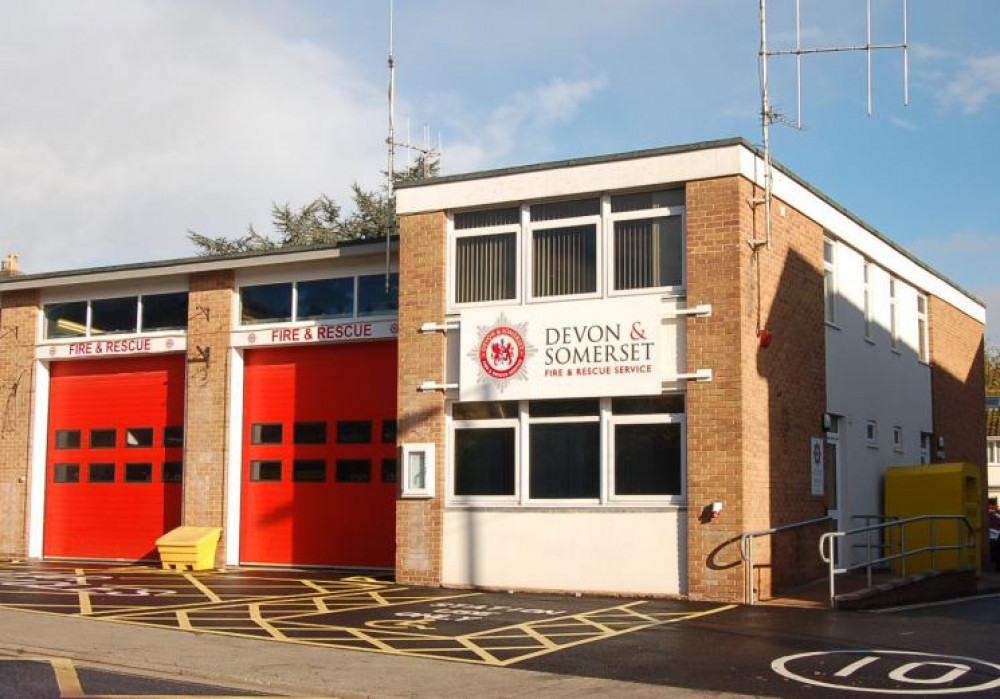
<point x="110" y="294"/>
<point x="923" y="330"/>
<point x="926" y="445"/>
<point x="454" y="235"/>
<point x="871" y="433"/>
<point x="263" y="280"/>
<point x="522" y="460"/>
<point x="869" y="321"/>
<point x="502" y="423"/>
<point x="527" y="248"/>
<point x="648" y="419"/>
<point x="830" y="309"/>
<point x="403" y="470"/>
<point x="993" y="451"/>
<point x="662" y="212"/>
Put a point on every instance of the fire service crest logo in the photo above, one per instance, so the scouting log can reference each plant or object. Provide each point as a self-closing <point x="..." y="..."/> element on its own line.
<point x="501" y="352"/>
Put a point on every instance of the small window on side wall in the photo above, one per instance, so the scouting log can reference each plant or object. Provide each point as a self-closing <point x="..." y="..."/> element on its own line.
<point x="871" y="433"/>
<point x="418" y="471"/>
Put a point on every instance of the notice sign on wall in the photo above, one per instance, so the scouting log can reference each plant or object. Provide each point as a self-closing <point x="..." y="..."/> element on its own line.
<point x="816" y="478"/>
<point x="561" y="350"/>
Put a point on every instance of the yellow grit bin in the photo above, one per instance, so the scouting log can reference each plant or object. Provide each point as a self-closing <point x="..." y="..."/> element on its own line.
<point x="935" y="489"/>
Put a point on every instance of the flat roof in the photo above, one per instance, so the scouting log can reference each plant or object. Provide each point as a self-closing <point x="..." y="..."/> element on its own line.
<point x="197" y="263"/>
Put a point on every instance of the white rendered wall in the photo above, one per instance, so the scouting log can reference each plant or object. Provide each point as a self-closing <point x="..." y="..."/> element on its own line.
<point x="867" y="380"/>
<point x="641" y="552"/>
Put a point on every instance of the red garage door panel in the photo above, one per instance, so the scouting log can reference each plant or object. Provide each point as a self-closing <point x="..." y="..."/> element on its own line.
<point x="319" y="456"/>
<point x="114" y="456"/>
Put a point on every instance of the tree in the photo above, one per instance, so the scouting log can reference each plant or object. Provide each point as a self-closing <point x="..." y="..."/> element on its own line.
<point x="993" y="369"/>
<point x="321" y="221"/>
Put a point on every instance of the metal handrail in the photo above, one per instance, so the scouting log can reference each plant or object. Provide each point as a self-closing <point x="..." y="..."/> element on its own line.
<point x="828" y="554"/>
<point x="746" y="548"/>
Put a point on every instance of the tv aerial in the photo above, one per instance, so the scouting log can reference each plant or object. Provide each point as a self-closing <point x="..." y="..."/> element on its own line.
<point x="769" y="116"/>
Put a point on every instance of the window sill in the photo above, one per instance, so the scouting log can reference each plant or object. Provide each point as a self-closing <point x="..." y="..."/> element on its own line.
<point x="614" y="507"/>
<point x="896" y="351"/>
<point x="870" y="341"/>
<point x="832" y="325"/>
<point x="872" y="446"/>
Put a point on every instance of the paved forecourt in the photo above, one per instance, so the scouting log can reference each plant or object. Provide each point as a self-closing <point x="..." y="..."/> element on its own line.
<point x="353" y="612"/>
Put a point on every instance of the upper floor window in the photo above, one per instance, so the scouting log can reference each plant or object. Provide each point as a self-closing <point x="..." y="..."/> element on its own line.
<point x="893" y="324"/>
<point x="829" y="281"/>
<point x="319" y="299"/>
<point x="485" y="255"/>
<point x="116" y="316"/>
<point x="868" y="300"/>
<point x="993" y="452"/>
<point x="923" y="344"/>
<point x="561" y="245"/>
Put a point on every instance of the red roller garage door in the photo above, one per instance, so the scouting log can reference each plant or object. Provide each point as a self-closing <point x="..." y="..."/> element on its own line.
<point x="319" y="449"/>
<point x="113" y="473"/>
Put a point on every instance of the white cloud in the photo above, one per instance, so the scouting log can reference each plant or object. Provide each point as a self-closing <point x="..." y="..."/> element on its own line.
<point x="522" y="123"/>
<point x="900" y="123"/>
<point x="976" y="82"/>
<point x="126" y="122"/>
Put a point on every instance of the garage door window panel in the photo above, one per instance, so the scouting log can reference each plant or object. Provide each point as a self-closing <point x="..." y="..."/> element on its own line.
<point x="139" y="437"/>
<point x="173" y="472"/>
<point x="173" y="436"/>
<point x="138" y="473"/>
<point x="266" y="433"/>
<point x="114" y="316"/>
<point x="309" y="432"/>
<point x="390" y="471"/>
<point x="103" y="439"/>
<point x="101" y="473"/>
<point x="354" y="432"/>
<point x="354" y="471"/>
<point x="308" y="471"/>
<point x="67" y="439"/>
<point x="265" y="471"/>
<point x="66" y="473"/>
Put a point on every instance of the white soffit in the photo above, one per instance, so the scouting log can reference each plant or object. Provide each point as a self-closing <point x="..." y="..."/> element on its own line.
<point x="568" y="180"/>
<point x="860" y="238"/>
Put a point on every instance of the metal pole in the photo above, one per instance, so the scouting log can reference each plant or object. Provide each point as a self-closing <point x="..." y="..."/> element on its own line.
<point x="765" y="121"/>
<point x="868" y="53"/>
<point x="750" y="570"/>
<point x="391" y="148"/>
<point x="930" y="525"/>
<point x="902" y="546"/>
<point x="833" y="593"/>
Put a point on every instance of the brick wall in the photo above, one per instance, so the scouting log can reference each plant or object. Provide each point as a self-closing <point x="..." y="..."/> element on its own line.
<point x="210" y="304"/>
<point x="749" y="428"/>
<point x="784" y="395"/>
<point x="422" y="289"/>
<point x="717" y="229"/>
<point x="958" y="388"/>
<point x="19" y="318"/>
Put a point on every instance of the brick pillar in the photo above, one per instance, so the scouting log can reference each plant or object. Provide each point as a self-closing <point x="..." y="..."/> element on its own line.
<point x="717" y="230"/>
<point x="210" y="303"/>
<point x="422" y="298"/>
<point x="19" y="320"/>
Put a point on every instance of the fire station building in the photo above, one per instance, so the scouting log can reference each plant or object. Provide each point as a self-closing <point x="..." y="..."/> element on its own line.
<point x="591" y="375"/>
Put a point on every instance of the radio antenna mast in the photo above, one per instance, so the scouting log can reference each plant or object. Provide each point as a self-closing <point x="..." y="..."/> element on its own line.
<point x="769" y="116"/>
<point x="427" y="153"/>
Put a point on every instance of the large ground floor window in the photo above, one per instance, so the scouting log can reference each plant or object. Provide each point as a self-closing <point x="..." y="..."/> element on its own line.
<point x="579" y="451"/>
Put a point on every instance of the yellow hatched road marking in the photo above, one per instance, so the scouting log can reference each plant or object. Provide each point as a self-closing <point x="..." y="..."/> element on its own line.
<point x="66" y="678"/>
<point x="256" y="617"/>
<point x="183" y="621"/>
<point x="205" y="590"/>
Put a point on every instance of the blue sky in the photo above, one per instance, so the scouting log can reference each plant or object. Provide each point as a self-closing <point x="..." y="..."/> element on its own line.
<point x="125" y="123"/>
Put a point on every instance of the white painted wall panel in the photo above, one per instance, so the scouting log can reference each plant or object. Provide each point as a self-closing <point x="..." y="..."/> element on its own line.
<point x="867" y="380"/>
<point x="641" y="552"/>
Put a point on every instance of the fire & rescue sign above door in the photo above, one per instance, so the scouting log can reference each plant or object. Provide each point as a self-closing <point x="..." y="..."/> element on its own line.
<point x="561" y="350"/>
